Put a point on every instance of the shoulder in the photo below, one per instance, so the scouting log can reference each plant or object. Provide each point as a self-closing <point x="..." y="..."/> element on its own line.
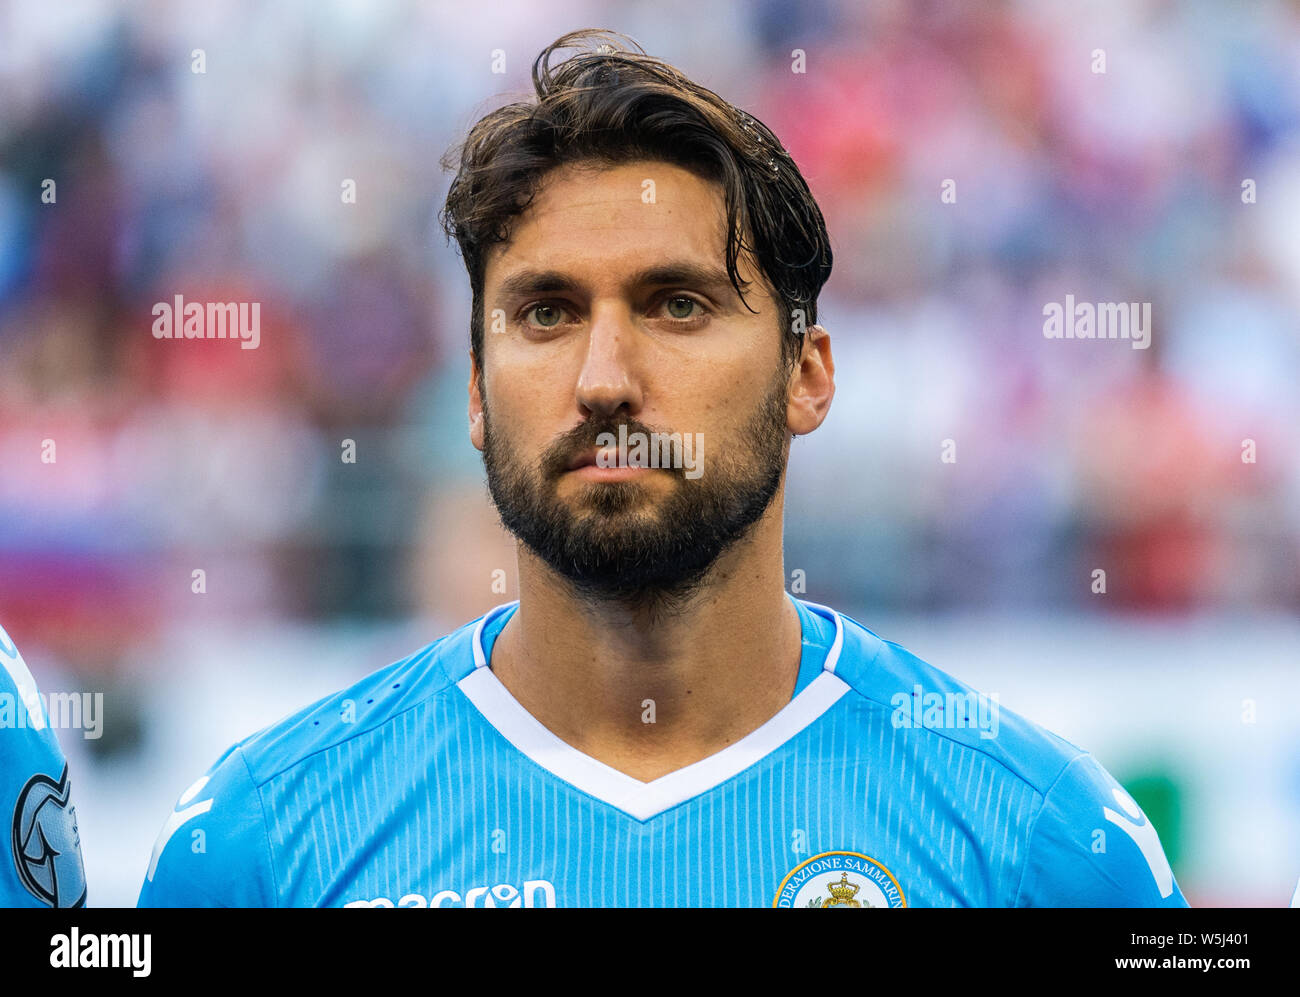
<point x="221" y="822"/>
<point x="35" y="796"/>
<point x="380" y="698"/>
<point x="1092" y="846"/>
<point x="929" y="703"/>
<point x="1087" y="842"/>
<point x="24" y="722"/>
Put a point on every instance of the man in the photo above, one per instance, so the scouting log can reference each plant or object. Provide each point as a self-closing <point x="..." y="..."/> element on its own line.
<point x="655" y="721"/>
<point x="41" y="851"/>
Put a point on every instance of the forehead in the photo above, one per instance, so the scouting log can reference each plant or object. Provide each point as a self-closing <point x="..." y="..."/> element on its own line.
<point x="606" y="219"/>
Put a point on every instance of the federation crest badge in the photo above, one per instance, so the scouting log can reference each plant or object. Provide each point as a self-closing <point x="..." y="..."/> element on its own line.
<point x="840" y="880"/>
<point x="46" y="844"/>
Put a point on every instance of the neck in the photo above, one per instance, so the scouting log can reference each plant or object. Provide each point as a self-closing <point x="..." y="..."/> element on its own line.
<point x="649" y="693"/>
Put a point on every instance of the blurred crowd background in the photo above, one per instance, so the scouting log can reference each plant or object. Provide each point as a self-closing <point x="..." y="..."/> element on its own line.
<point x="224" y="185"/>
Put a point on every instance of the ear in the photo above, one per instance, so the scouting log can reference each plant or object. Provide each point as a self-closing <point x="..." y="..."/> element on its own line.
<point x="475" y="406"/>
<point x="812" y="385"/>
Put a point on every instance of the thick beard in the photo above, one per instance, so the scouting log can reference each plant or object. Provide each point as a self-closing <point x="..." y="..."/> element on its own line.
<point x="620" y="547"/>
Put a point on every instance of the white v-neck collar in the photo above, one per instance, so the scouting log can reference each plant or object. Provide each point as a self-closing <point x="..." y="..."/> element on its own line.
<point x="638" y="799"/>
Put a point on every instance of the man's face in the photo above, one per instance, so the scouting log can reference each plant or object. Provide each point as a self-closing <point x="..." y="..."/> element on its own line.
<point x="588" y="339"/>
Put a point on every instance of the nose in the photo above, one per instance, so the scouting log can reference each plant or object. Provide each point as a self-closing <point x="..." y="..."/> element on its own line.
<point x="609" y="378"/>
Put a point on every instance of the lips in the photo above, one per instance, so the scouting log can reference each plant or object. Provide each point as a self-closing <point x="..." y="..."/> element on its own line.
<point x="588" y="458"/>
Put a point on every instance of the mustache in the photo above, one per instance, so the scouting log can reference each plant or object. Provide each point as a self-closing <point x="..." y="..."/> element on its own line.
<point x="584" y="438"/>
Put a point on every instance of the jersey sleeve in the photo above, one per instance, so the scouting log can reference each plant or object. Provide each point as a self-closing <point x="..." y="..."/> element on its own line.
<point x="1092" y="846"/>
<point x="40" y="846"/>
<point x="214" y="849"/>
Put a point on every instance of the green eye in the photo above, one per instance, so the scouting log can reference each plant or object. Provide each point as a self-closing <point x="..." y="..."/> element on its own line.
<point x="540" y="310"/>
<point x="689" y="303"/>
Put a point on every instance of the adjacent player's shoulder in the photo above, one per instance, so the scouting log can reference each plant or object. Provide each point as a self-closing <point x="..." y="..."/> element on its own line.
<point x="41" y="844"/>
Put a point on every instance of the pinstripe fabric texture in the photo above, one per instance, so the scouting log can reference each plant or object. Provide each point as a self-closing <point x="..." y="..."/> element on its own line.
<point x="427" y="785"/>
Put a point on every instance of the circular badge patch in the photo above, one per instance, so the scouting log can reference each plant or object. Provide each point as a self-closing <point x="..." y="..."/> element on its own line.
<point x="840" y="879"/>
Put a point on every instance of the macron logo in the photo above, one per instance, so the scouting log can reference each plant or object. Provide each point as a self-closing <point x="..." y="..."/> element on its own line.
<point x="1144" y="836"/>
<point x="176" y="819"/>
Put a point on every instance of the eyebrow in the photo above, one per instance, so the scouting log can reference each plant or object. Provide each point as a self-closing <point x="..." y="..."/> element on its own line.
<point x="682" y="273"/>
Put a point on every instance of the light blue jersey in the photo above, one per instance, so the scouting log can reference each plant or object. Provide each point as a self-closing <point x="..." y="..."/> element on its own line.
<point x="883" y="782"/>
<point x="40" y="847"/>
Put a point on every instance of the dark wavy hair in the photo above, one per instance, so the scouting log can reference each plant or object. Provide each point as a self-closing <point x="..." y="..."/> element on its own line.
<point x="613" y="104"/>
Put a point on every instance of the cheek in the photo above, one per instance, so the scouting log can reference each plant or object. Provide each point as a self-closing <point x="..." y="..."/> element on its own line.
<point x="524" y="418"/>
<point x="725" y="402"/>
